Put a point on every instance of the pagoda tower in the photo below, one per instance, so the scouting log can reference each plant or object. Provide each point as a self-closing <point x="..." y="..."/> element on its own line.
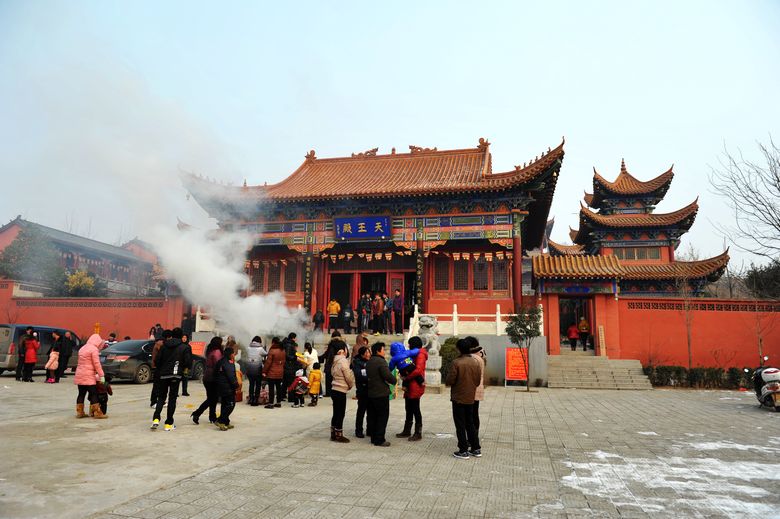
<point x="618" y="220"/>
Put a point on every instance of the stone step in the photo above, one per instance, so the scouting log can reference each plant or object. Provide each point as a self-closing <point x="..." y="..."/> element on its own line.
<point x="590" y="372"/>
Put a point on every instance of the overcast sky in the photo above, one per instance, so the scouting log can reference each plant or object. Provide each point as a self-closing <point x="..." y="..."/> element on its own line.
<point x="99" y="100"/>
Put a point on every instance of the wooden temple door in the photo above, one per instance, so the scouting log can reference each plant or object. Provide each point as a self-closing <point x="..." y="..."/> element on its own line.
<point x="395" y="281"/>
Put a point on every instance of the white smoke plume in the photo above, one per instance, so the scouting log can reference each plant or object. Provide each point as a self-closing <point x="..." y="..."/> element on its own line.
<point x="113" y="152"/>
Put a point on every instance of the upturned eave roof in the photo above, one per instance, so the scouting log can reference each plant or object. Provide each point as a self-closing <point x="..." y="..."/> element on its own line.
<point x="565" y="250"/>
<point x="610" y="267"/>
<point x="422" y="171"/>
<point x="628" y="185"/>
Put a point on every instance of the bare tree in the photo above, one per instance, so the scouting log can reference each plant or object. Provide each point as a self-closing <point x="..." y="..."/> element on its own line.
<point x="687" y="292"/>
<point x="752" y="191"/>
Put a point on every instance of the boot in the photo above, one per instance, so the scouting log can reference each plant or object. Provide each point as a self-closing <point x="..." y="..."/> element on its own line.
<point x="95" y="412"/>
<point x="80" y="411"/>
<point x="417" y="436"/>
<point x="406" y="432"/>
<point x="333" y="434"/>
<point x="339" y="436"/>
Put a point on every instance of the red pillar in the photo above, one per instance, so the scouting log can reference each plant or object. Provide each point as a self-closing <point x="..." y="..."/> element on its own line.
<point x="517" y="260"/>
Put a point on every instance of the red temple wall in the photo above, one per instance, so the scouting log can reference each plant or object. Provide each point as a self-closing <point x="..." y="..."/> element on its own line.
<point x="9" y="235"/>
<point x="720" y="338"/>
<point x="131" y="317"/>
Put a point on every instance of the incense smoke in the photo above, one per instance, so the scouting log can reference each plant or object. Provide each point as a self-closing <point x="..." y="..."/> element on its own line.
<point x="123" y="148"/>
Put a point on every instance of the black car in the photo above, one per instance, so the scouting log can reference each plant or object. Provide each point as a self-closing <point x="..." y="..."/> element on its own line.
<point x="132" y="360"/>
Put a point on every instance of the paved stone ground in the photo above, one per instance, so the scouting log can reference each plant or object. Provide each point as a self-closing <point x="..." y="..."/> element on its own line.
<point x="554" y="453"/>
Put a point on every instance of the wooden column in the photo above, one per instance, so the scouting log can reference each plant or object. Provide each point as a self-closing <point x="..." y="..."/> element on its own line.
<point x="420" y="267"/>
<point x="517" y="260"/>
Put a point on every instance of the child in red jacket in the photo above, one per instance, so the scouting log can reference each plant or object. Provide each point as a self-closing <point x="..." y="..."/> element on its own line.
<point x="299" y="388"/>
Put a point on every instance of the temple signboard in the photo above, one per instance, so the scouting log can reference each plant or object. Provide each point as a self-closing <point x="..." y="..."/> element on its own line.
<point x="362" y="227"/>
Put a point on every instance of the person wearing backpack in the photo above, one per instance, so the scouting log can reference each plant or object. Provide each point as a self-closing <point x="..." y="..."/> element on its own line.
<point x="346" y="318"/>
<point x="253" y="366"/>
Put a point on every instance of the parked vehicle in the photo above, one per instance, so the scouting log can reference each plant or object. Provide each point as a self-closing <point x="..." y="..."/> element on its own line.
<point x="766" y="381"/>
<point x="132" y="360"/>
<point x="9" y="342"/>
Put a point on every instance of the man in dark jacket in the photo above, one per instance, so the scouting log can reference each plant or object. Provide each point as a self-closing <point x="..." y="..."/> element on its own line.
<point x="398" y="312"/>
<point x="170" y="362"/>
<point x="359" y="362"/>
<point x="379" y="380"/>
<point x="291" y="364"/>
<point x="464" y="377"/>
<point x="227" y="383"/>
<point x="66" y="351"/>
<point x="185" y="376"/>
<point x="158" y="344"/>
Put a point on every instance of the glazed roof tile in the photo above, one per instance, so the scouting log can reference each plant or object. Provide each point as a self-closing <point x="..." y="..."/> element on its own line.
<point x="627" y="184"/>
<point x="641" y="220"/>
<point x="565" y="249"/>
<point x="706" y="268"/>
<point x="610" y="267"/>
<point x="576" y="267"/>
<point x="422" y="170"/>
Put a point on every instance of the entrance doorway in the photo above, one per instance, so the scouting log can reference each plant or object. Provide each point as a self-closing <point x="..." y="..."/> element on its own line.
<point x="373" y="282"/>
<point x="341" y="288"/>
<point x="570" y="311"/>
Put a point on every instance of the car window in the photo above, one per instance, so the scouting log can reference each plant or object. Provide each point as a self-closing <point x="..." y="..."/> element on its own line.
<point x="5" y="338"/>
<point x="148" y="347"/>
<point x="46" y="339"/>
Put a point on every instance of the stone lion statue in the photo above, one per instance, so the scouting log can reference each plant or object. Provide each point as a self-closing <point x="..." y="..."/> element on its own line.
<point x="429" y="334"/>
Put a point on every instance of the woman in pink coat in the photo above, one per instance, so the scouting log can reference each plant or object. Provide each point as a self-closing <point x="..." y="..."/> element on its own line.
<point x="88" y="371"/>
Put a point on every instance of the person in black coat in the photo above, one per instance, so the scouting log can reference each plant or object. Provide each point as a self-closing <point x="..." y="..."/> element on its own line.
<point x="170" y="362"/>
<point x="227" y="384"/>
<point x="361" y="388"/>
<point x="291" y="364"/>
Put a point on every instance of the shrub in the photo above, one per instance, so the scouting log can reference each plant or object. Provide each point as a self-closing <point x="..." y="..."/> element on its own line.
<point x="707" y="378"/>
<point x="448" y="353"/>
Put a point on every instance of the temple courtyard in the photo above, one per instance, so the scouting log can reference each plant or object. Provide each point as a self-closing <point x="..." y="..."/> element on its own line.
<point x="550" y="453"/>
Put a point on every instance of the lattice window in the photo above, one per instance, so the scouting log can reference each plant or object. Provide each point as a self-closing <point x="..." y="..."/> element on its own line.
<point x="441" y="273"/>
<point x="461" y="275"/>
<point x="500" y="274"/>
<point x="291" y="277"/>
<point x="258" y="281"/>
<point x="274" y="277"/>
<point x="480" y="278"/>
<point x="654" y="253"/>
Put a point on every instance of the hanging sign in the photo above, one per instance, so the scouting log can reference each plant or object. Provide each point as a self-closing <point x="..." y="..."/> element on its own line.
<point x="514" y="365"/>
<point x="362" y="227"/>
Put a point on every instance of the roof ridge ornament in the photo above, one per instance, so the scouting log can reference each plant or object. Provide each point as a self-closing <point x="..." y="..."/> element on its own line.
<point x="367" y="153"/>
<point x="311" y="155"/>
<point x="483" y="145"/>
<point x="623" y="170"/>
<point x="420" y="149"/>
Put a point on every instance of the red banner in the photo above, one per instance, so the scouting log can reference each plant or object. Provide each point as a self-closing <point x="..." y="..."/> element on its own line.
<point x="515" y="365"/>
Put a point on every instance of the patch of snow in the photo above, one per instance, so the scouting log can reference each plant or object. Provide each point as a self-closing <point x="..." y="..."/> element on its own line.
<point x="709" y="486"/>
<point x="714" y="446"/>
<point x="443" y="435"/>
<point x="694" y="434"/>
<point x="647" y="433"/>
<point x="584" y="434"/>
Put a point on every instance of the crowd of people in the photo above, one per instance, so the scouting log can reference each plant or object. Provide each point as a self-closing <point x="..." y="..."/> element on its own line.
<point x="375" y="313"/>
<point x="281" y="373"/>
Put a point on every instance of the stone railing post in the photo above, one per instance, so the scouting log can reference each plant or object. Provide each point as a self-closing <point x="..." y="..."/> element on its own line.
<point x="455" y="319"/>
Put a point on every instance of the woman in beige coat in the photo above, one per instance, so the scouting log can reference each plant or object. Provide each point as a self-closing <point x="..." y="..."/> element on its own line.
<point x="343" y="381"/>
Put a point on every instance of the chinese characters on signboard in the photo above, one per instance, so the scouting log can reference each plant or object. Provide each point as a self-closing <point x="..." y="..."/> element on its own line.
<point x="362" y="227"/>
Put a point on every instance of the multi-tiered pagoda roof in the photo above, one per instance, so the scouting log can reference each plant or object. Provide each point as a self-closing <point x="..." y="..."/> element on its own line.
<point x="620" y="236"/>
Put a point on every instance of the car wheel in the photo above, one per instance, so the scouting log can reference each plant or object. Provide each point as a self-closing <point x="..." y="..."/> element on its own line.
<point x="143" y="374"/>
<point x="197" y="371"/>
